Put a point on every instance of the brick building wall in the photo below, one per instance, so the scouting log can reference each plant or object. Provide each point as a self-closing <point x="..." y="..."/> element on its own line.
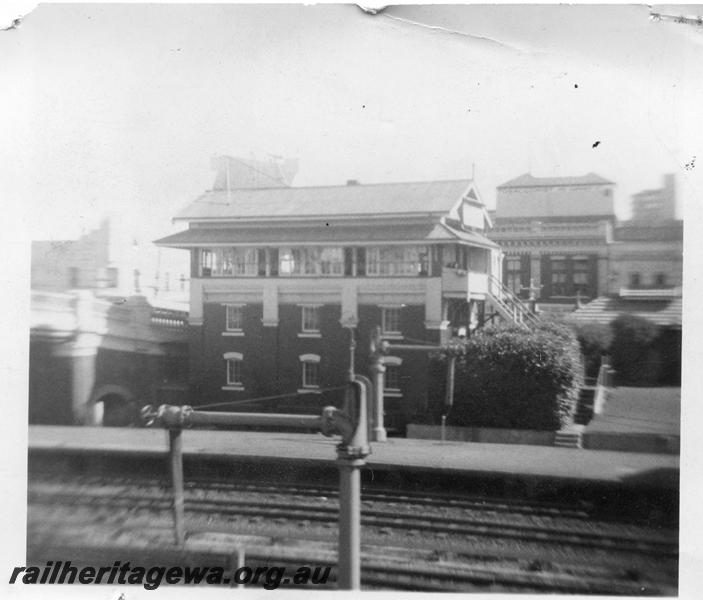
<point x="271" y="363"/>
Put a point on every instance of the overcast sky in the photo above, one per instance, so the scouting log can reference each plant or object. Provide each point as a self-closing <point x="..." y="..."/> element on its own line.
<point x="119" y="108"/>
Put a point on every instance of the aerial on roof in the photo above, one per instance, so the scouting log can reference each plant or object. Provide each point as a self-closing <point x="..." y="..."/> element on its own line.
<point x="528" y="180"/>
<point x="422" y="198"/>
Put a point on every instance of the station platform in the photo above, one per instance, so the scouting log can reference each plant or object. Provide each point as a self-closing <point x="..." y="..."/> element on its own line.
<point x="398" y="455"/>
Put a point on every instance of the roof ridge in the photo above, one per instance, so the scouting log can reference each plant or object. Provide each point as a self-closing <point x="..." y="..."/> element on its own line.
<point x="530" y="180"/>
<point x="345" y="185"/>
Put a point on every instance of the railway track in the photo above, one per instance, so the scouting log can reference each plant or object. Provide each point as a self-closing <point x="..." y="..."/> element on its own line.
<point x="656" y="545"/>
<point x="466" y="543"/>
<point x="383" y="567"/>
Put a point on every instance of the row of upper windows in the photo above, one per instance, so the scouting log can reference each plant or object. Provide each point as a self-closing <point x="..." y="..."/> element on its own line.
<point x="337" y="261"/>
<point x="310" y="319"/>
<point x="657" y="280"/>
<point x="564" y="280"/>
<point x="309" y="372"/>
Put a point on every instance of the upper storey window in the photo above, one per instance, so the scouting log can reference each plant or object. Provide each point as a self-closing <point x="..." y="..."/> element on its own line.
<point x="229" y="262"/>
<point x="326" y="261"/>
<point x="397" y="260"/>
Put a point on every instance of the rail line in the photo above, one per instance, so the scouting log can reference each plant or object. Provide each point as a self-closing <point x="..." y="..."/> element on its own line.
<point x="382" y="567"/>
<point x="414" y="540"/>
<point x="477" y="501"/>
<point x="569" y="532"/>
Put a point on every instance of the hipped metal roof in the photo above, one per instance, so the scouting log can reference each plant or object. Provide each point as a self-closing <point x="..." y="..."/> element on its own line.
<point x="528" y="180"/>
<point x="665" y="312"/>
<point x="429" y="197"/>
<point x="322" y="234"/>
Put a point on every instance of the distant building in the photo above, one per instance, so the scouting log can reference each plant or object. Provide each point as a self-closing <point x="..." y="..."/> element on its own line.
<point x="108" y="333"/>
<point x="109" y="261"/>
<point x="656" y="205"/>
<point x="554" y="232"/>
<point x="283" y="277"/>
<point x="645" y="276"/>
<point x="646" y="256"/>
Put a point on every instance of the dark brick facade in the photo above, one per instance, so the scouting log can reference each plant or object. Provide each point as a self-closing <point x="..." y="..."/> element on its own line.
<point x="271" y="364"/>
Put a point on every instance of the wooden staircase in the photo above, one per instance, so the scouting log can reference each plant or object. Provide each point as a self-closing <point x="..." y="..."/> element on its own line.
<point x="509" y="306"/>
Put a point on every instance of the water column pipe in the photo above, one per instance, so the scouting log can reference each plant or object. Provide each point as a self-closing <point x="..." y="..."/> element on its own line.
<point x="351" y="458"/>
<point x="351" y="454"/>
<point x="176" y="418"/>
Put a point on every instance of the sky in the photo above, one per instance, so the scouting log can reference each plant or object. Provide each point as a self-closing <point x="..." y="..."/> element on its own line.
<point x="118" y="109"/>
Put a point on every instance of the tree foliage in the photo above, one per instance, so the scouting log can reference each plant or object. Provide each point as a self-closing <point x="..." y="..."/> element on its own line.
<point x="633" y="350"/>
<point x="595" y="340"/>
<point x="507" y="377"/>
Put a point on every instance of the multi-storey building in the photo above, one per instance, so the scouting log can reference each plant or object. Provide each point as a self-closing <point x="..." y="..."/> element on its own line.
<point x="646" y="256"/>
<point x="555" y="233"/>
<point x="283" y="278"/>
<point x="657" y="205"/>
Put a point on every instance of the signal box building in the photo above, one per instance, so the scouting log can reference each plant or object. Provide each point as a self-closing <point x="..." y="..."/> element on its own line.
<point x="284" y="278"/>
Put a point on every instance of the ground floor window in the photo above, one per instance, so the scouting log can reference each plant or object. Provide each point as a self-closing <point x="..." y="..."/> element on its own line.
<point x="581" y="276"/>
<point x="513" y="274"/>
<point x="390" y="320"/>
<point x="233" y="362"/>
<point x="559" y="276"/>
<point x="392" y="375"/>
<point x="310" y="371"/>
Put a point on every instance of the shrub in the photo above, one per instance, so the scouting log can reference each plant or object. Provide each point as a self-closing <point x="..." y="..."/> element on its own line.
<point x="510" y="378"/>
<point x="595" y="340"/>
<point x="633" y="353"/>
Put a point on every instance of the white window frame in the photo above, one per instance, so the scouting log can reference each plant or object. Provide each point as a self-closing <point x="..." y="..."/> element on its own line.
<point x="311" y="261"/>
<point x="231" y="359"/>
<point x="385" y="330"/>
<point x="396" y="261"/>
<point x="305" y="360"/>
<point x="229" y="330"/>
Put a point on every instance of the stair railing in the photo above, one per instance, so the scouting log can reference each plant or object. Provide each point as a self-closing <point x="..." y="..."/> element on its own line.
<point x="511" y="305"/>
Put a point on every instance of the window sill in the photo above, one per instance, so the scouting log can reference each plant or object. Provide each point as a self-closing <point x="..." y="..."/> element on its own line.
<point x="392" y="394"/>
<point x="310" y="334"/>
<point x="310" y="390"/>
<point x="233" y="333"/>
<point x="233" y="388"/>
<point x="392" y="336"/>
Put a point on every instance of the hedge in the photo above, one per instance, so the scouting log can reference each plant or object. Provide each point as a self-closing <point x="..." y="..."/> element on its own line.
<point x="635" y="357"/>
<point x="510" y="378"/>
